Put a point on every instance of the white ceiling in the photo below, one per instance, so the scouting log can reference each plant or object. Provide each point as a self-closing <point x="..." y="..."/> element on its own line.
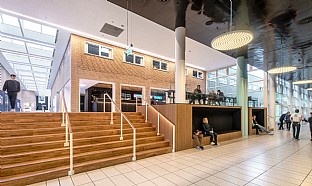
<point x="87" y="18"/>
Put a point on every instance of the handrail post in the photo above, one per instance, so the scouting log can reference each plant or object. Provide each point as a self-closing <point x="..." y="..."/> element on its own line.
<point x="121" y="138"/>
<point x="145" y="111"/>
<point x="136" y="104"/>
<point x="173" y="138"/>
<point x="158" y="124"/>
<point x="134" y="145"/>
<point x="62" y="110"/>
<point x="71" y="155"/>
<point x="104" y="103"/>
<point x="66" y="144"/>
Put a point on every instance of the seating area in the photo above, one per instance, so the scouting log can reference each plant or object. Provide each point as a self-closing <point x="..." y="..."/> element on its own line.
<point x="205" y="99"/>
<point x="261" y="115"/>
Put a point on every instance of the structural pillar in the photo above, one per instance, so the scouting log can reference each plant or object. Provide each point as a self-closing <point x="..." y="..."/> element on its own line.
<point x="181" y="7"/>
<point x="272" y="98"/>
<point x="242" y="92"/>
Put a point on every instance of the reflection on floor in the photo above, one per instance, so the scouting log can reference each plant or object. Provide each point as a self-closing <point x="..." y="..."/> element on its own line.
<point x="259" y="160"/>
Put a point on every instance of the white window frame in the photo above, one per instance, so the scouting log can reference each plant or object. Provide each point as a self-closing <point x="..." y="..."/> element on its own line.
<point x="160" y="62"/>
<point x="134" y="56"/>
<point x="99" y="46"/>
<point x="197" y="74"/>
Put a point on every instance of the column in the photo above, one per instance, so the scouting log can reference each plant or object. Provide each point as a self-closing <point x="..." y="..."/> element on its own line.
<point x="291" y="98"/>
<point x="242" y="92"/>
<point x="272" y="98"/>
<point x="180" y="8"/>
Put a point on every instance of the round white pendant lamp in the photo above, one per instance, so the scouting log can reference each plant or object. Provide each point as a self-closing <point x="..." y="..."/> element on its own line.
<point x="232" y="39"/>
<point x="280" y="70"/>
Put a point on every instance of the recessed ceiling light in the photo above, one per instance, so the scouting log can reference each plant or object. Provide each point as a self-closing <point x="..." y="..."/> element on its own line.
<point x="279" y="70"/>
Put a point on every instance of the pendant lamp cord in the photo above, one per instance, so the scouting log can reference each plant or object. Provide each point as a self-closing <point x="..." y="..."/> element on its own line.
<point x="127" y="23"/>
<point x="231" y="15"/>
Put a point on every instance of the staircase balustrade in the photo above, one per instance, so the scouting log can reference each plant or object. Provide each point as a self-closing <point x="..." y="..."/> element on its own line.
<point x="158" y="119"/>
<point x="68" y="130"/>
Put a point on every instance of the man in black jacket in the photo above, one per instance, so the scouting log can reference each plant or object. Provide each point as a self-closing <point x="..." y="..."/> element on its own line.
<point x="310" y="122"/>
<point x="12" y="87"/>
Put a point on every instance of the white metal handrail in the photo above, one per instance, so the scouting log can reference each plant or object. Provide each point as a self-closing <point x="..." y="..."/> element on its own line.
<point x="68" y="129"/>
<point x="158" y="120"/>
<point x="121" y="128"/>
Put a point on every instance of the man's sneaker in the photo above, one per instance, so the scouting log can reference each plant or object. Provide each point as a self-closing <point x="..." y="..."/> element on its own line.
<point x="201" y="147"/>
<point x="270" y="133"/>
<point x="212" y="143"/>
<point x="297" y="139"/>
<point x="197" y="147"/>
<point x="216" y="144"/>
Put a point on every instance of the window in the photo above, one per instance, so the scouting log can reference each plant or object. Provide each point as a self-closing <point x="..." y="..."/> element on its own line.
<point x="99" y="50"/>
<point x="197" y="74"/>
<point x="133" y="59"/>
<point x="212" y="74"/>
<point x="160" y="65"/>
<point x="222" y="72"/>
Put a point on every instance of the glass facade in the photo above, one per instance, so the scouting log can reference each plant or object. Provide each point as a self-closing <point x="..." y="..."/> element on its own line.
<point x="225" y="80"/>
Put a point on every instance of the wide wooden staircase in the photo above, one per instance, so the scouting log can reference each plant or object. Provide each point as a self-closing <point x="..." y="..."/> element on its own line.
<point x="32" y="144"/>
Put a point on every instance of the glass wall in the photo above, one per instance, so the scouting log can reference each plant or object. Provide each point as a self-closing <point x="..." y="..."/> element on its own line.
<point x="300" y="98"/>
<point x="224" y="79"/>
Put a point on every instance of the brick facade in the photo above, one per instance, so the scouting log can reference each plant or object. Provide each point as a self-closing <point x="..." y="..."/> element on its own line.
<point x="85" y="66"/>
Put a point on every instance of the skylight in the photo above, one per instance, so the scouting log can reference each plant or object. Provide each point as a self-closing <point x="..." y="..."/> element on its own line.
<point x="28" y="47"/>
<point x="10" y="20"/>
<point x="31" y="26"/>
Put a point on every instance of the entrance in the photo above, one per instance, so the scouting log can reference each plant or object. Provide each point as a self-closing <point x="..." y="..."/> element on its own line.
<point x="128" y="98"/>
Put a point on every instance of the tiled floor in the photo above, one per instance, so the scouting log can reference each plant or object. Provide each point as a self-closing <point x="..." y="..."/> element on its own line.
<point x="261" y="160"/>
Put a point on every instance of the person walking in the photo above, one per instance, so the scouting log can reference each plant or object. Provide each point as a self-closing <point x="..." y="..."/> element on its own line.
<point x="12" y="87"/>
<point x="296" y="119"/>
<point x="287" y="120"/>
<point x="310" y="122"/>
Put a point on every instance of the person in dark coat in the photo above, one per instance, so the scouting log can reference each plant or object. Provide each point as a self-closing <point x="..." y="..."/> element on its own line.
<point x="12" y="87"/>
<point x="310" y="122"/>
<point x="208" y="131"/>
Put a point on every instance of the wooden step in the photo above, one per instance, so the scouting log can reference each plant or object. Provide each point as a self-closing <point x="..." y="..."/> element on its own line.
<point x="60" y="129"/>
<point x="37" y="145"/>
<point x="39" y="176"/>
<point x="48" y="163"/>
<point x="60" y="151"/>
<point x="56" y="137"/>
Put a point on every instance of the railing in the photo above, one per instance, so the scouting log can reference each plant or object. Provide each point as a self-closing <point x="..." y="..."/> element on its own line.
<point x="68" y="129"/>
<point x="121" y="122"/>
<point x="158" y="120"/>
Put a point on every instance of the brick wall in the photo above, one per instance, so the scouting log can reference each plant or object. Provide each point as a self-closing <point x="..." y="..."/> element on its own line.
<point x="85" y="66"/>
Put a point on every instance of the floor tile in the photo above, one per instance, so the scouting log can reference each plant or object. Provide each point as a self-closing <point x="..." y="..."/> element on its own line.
<point x="96" y="175"/>
<point x="80" y="179"/>
<point x="147" y="183"/>
<point x="135" y="177"/>
<point x="110" y="171"/>
<point x="54" y="182"/>
<point x="121" y="180"/>
<point x="147" y="173"/>
<point x="160" y="181"/>
<point x="177" y="179"/>
<point x="66" y="181"/>
<point x="104" y="182"/>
